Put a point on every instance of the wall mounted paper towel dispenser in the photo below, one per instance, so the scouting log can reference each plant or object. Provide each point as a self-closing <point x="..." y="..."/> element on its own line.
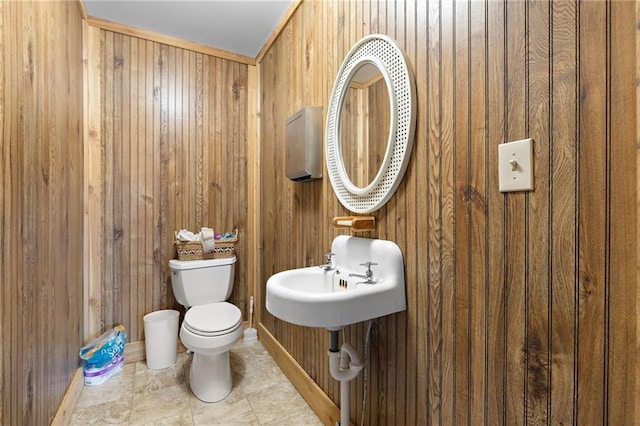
<point x="304" y="144"/>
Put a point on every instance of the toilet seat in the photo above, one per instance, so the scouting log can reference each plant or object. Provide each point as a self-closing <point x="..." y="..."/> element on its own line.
<point x="212" y="319"/>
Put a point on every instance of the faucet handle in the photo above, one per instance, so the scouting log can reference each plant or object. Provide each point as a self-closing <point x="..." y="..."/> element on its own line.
<point x="329" y="265"/>
<point x="368" y="275"/>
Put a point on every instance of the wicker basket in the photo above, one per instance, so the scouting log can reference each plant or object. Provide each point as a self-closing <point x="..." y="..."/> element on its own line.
<point x="192" y="250"/>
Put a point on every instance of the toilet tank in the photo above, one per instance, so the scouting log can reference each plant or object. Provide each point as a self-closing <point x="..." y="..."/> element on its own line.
<point x="196" y="282"/>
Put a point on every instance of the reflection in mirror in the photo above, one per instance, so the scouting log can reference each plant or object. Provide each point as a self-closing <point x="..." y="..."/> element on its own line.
<point x="364" y="125"/>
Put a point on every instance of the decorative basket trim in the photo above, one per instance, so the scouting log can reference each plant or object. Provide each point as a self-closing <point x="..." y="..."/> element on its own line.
<point x="192" y="250"/>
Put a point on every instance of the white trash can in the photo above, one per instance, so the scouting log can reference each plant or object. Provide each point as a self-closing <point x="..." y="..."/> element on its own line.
<point x="161" y="338"/>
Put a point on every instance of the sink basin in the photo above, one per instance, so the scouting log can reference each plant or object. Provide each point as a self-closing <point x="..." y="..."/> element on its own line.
<point x="315" y="297"/>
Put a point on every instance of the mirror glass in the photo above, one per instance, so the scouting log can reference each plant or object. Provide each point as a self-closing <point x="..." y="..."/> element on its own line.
<point x="364" y="125"/>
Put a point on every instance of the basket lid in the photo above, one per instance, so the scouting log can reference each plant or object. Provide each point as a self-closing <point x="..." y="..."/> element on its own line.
<point x="176" y="265"/>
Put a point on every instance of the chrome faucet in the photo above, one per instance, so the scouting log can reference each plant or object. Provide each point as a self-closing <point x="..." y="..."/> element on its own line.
<point x="329" y="265"/>
<point x="368" y="275"/>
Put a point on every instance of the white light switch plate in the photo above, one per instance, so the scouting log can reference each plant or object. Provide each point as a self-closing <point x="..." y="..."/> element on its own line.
<point x="515" y="165"/>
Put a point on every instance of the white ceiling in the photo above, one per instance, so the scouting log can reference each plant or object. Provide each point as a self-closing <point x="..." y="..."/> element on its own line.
<point x="239" y="26"/>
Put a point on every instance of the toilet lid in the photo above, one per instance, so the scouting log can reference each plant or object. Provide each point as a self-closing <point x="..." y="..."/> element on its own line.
<point x="212" y="318"/>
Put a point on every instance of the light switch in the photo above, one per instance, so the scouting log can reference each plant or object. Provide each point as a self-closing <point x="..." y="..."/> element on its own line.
<point x="515" y="165"/>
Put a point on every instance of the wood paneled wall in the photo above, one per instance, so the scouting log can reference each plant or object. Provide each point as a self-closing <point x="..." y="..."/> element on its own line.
<point x="171" y="154"/>
<point x="41" y="178"/>
<point x="521" y="306"/>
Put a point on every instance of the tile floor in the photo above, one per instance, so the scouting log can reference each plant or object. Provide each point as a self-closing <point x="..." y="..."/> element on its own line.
<point x="261" y="395"/>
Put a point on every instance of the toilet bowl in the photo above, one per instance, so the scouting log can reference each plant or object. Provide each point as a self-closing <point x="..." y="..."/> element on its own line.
<point x="211" y="326"/>
<point x="210" y="331"/>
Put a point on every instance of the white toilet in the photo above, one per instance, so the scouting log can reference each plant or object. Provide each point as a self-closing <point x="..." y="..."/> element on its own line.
<point x="211" y="326"/>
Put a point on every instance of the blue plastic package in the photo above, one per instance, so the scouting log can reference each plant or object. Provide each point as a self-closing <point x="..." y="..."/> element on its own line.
<point x="101" y="351"/>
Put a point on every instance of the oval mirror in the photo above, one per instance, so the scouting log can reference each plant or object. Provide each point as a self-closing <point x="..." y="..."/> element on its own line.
<point x="370" y="124"/>
<point x="365" y="129"/>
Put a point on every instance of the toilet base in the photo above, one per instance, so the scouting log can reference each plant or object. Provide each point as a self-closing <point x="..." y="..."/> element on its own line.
<point x="210" y="376"/>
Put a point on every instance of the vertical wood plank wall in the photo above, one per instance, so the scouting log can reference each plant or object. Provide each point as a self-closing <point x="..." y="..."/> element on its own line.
<point x="172" y="155"/>
<point x="521" y="306"/>
<point x="638" y="203"/>
<point x="41" y="200"/>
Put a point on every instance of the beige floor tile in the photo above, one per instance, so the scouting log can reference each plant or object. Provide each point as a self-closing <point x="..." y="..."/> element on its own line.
<point x="197" y="404"/>
<point x="251" y="350"/>
<point x="109" y="413"/>
<point x="233" y="410"/>
<point x="276" y="401"/>
<point x="184" y="419"/>
<point x="162" y="403"/>
<point x="117" y="387"/>
<point x="261" y="394"/>
<point x="303" y="417"/>
<point x="147" y="381"/>
<point x="260" y="373"/>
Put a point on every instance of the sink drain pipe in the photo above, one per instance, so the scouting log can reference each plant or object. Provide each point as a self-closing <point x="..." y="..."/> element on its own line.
<point x="344" y="365"/>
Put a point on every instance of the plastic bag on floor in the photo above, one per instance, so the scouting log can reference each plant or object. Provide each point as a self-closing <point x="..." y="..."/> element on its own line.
<point x="103" y="350"/>
<point x="104" y="356"/>
<point x="94" y="376"/>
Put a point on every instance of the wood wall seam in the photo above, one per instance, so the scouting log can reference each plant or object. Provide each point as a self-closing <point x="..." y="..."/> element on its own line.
<point x="70" y="400"/>
<point x="253" y="184"/>
<point x="278" y="29"/>
<point x="637" y="118"/>
<point x="83" y="10"/>
<point x="168" y="40"/>
<point x="93" y="165"/>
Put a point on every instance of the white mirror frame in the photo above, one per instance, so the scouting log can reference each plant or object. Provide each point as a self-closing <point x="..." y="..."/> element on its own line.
<point x="386" y="55"/>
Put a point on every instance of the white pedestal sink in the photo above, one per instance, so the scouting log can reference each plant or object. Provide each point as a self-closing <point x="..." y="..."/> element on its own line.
<point x="332" y="299"/>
